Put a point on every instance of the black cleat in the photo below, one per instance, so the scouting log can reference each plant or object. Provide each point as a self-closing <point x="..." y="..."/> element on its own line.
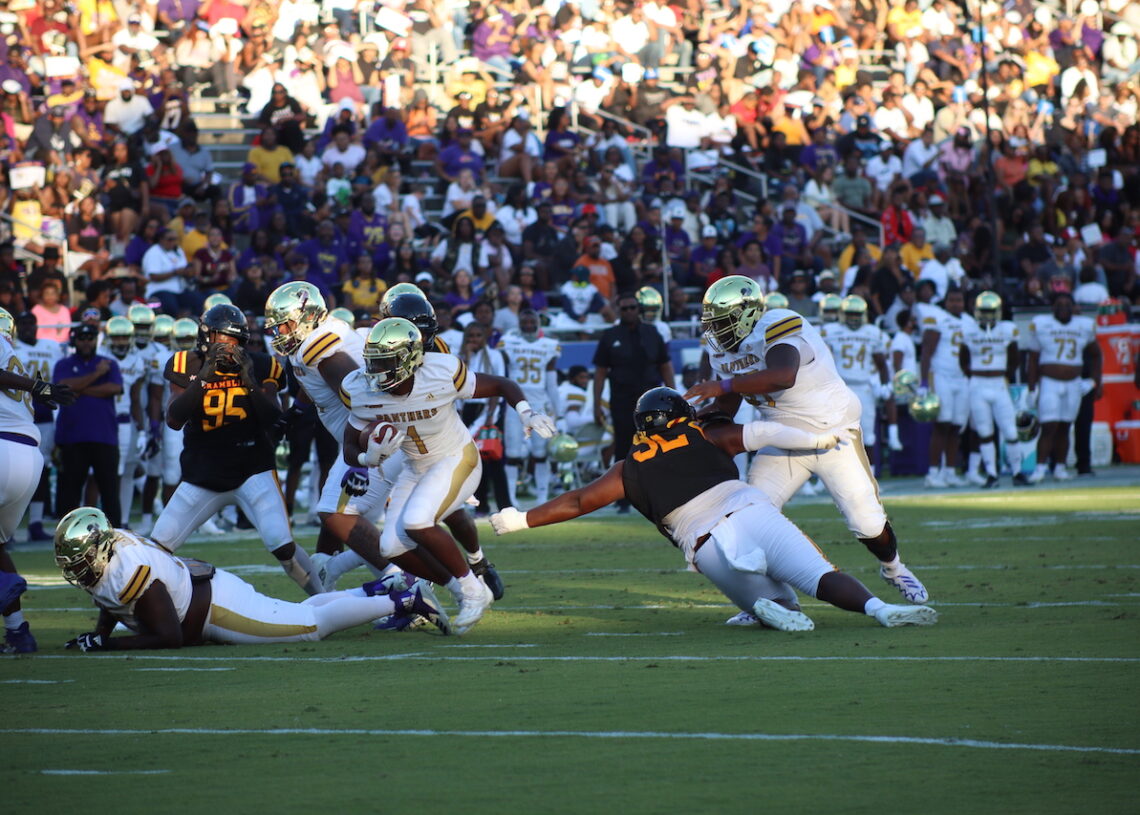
<point x="1021" y="480"/>
<point x="991" y="482"/>
<point x="486" y="570"/>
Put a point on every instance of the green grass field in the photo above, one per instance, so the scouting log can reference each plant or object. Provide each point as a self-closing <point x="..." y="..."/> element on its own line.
<point x="605" y="681"/>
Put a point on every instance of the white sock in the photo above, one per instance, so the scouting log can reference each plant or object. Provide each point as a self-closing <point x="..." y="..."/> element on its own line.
<point x="342" y="563"/>
<point x="934" y="471"/>
<point x="512" y="471"/>
<point x="300" y="570"/>
<point x="1013" y="455"/>
<point x="474" y="557"/>
<point x="126" y="498"/>
<point x="147" y="521"/>
<point x="542" y="480"/>
<point x="973" y="461"/>
<point x="36" y="512"/>
<point x="14" y="620"/>
<point x="989" y="459"/>
<point x="345" y="609"/>
<point x="455" y="587"/>
<point x="469" y="583"/>
<point x="891" y="566"/>
<point x="872" y="605"/>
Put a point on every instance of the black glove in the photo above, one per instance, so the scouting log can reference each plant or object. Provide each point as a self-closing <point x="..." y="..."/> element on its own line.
<point x="53" y="395"/>
<point x="244" y="363"/>
<point x="88" y="642"/>
<point x="285" y="421"/>
<point x="209" y="371"/>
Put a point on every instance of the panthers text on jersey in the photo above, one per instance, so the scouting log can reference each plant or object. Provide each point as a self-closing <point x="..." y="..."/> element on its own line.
<point x="39" y="359"/>
<point x="819" y="400"/>
<point x="1060" y="343"/>
<point x="332" y="336"/>
<point x="950" y="329"/>
<point x="988" y="346"/>
<point x="432" y="427"/>
<point x="529" y="359"/>
<point x="854" y="351"/>
<point x="16" y="412"/>
<point x="134" y="566"/>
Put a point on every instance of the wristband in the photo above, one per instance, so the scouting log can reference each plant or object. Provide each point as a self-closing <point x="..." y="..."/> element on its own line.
<point x="522" y="406"/>
<point x="360" y="459"/>
<point x="726" y="385"/>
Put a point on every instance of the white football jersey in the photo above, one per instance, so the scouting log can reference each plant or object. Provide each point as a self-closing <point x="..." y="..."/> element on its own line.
<point x="1060" y="343"/>
<point x="332" y="336"/>
<point x="944" y="363"/>
<point x="39" y="358"/>
<point x="903" y="342"/>
<point x="819" y="400"/>
<point x="854" y="351"/>
<point x="529" y="359"/>
<point x="989" y="346"/>
<point x="135" y="564"/>
<point x="134" y="366"/>
<point x="16" y="412"/>
<point x="431" y="424"/>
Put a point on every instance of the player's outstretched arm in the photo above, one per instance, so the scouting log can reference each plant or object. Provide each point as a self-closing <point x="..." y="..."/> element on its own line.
<point x="157" y="619"/>
<point x="735" y="439"/>
<point x="574" y="504"/>
<point x="783" y="366"/>
<point x="487" y="385"/>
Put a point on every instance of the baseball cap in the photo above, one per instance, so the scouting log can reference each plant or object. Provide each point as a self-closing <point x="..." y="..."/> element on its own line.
<point x="935" y="200"/>
<point x="134" y="19"/>
<point x="57" y="110"/>
<point x="709" y="232"/>
<point x="652" y="73"/>
<point x="589" y="209"/>
<point x="863" y="121"/>
<point x="425" y="277"/>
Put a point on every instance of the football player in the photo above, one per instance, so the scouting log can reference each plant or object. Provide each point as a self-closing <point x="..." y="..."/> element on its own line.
<point x="940" y="371"/>
<point x="651" y="304"/>
<point x="402" y="386"/>
<point x="1061" y="345"/>
<point x="782" y="366"/>
<point x="168" y="602"/>
<point x="38" y="358"/>
<point x="829" y="308"/>
<point x="21" y="466"/>
<point x="532" y="361"/>
<point x="989" y="357"/>
<point x="860" y="355"/>
<point x="155" y="355"/>
<point x="224" y="400"/>
<point x="680" y="475"/>
<point x="120" y="335"/>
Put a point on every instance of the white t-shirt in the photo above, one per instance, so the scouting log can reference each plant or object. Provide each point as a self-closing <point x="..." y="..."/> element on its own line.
<point x="350" y="157"/>
<point x="160" y="261"/>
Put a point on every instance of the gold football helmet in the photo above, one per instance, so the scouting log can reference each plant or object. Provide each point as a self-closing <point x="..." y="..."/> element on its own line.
<point x="120" y="336"/>
<point x="344" y="315"/>
<point x="142" y="318"/>
<point x="562" y="448"/>
<point x="393" y="352"/>
<point x="216" y="299"/>
<point x="7" y="325"/>
<point x="651" y="303"/>
<point x="729" y="311"/>
<point x="184" y="335"/>
<point x="854" y="309"/>
<point x="163" y="328"/>
<point x="925" y="408"/>
<point x="84" y="543"/>
<point x="398" y="289"/>
<point x="987" y="309"/>
<point x="775" y="300"/>
<point x="292" y="312"/>
<point x="829" y="308"/>
<point x="905" y="384"/>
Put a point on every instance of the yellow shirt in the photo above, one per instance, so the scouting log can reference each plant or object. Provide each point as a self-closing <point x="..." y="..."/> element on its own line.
<point x="269" y="161"/>
<point x="912" y="257"/>
<point x="1039" y="69"/>
<point x="847" y="256"/>
<point x="1038" y="167"/>
<point x="364" y="293"/>
<point x="795" y="133"/>
<point x="27" y="219"/>
<point x="192" y="241"/>
<point x="904" y="20"/>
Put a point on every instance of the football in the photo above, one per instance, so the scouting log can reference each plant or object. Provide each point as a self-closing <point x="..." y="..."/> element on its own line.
<point x="381" y="431"/>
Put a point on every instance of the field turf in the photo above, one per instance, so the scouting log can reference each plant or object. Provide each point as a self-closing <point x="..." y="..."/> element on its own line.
<point x="605" y="681"/>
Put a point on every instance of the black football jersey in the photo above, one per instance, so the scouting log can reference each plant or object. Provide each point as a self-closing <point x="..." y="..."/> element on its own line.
<point x="669" y="467"/>
<point x="224" y="443"/>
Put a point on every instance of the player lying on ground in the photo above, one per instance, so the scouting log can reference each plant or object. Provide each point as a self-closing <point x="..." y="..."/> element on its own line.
<point x="170" y="602"/>
<point x="680" y="475"/>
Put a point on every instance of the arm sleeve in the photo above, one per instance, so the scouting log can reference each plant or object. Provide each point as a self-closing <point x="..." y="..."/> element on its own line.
<point x="757" y="435"/>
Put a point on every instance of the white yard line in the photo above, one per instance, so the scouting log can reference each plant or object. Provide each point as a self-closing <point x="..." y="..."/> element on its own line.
<point x="103" y="772"/>
<point x="616" y="735"/>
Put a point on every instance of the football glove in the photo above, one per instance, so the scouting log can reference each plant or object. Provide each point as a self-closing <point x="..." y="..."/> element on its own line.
<point x="508" y="520"/>
<point x="53" y="395"/>
<point x="209" y="371"/>
<point x="886" y="391"/>
<point x="88" y="642"/>
<point x="540" y="423"/>
<point x="285" y="421"/>
<point x="379" y="450"/>
<point x="828" y="441"/>
<point x="355" y="481"/>
<point x="1087" y="387"/>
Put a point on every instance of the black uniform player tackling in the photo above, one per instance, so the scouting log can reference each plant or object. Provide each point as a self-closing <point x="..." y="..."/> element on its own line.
<point x="223" y="398"/>
<point x="679" y="474"/>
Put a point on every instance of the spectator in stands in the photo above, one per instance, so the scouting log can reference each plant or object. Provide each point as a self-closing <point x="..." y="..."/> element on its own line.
<point x="167" y="271"/>
<point x="285" y="115"/>
<point x="267" y="157"/>
<point x="126" y="113"/>
<point x="916" y="251"/>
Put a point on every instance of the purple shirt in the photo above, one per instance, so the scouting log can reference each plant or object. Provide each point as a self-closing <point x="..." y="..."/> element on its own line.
<point x="324" y="261"/>
<point x="178" y="9"/>
<point x="369" y="232"/>
<point x="484" y="50"/>
<point x="704" y="261"/>
<point x="385" y="135"/>
<point x="676" y="243"/>
<point x="91" y="418"/>
<point x="454" y="158"/>
<point x="786" y="242"/>
<point x="8" y="72"/>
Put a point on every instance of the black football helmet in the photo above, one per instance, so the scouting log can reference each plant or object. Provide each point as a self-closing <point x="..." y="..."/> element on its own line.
<point x="418" y="311"/>
<point x="659" y="406"/>
<point x="223" y="318"/>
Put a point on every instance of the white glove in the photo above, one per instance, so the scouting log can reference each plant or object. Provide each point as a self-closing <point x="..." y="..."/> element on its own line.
<point x="886" y="391"/>
<point x="828" y="441"/>
<point x="508" y="520"/>
<point x="1087" y="387"/>
<point x="540" y="423"/>
<point x="140" y="443"/>
<point x="922" y="391"/>
<point x="379" y="450"/>
<point x="1031" y="399"/>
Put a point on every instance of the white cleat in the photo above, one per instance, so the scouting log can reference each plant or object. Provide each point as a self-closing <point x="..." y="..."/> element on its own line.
<point x="908" y="585"/>
<point x="952" y="480"/>
<point x="1038" y="475"/>
<point x="934" y="481"/>
<point x="977" y="479"/>
<point x="809" y="489"/>
<point x="320" y="561"/>
<point x="1061" y="474"/>
<point x="776" y="616"/>
<point x="743" y="618"/>
<point x="471" y="607"/>
<point x="210" y="528"/>
<point x="894" y="616"/>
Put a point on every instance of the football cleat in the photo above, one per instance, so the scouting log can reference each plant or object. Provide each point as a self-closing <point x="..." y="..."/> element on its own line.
<point x="320" y="561"/>
<point x="486" y="572"/>
<point x="1061" y="474"/>
<point x="19" y="640"/>
<point x="976" y="478"/>
<point x="743" y="618"/>
<point x="775" y="616"/>
<point x="952" y="480"/>
<point x="908" y="585"/>
<point x="1038" y="475"/>
<point x="472" y="606"/>
<point x="934" y="481"/>
<point x="808" y="489"/>
<point x="11" y="587"/>
<point x="991" y="482"/>
<point x="400" y="622"/>
<point x="36" y="533"/>
<point x="894" y="616"/>
<point x="420" y="601"/>
<point x="1022" y="480"/>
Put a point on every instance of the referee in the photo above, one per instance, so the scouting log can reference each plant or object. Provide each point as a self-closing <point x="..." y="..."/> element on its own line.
<point x="634" y="357"/>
